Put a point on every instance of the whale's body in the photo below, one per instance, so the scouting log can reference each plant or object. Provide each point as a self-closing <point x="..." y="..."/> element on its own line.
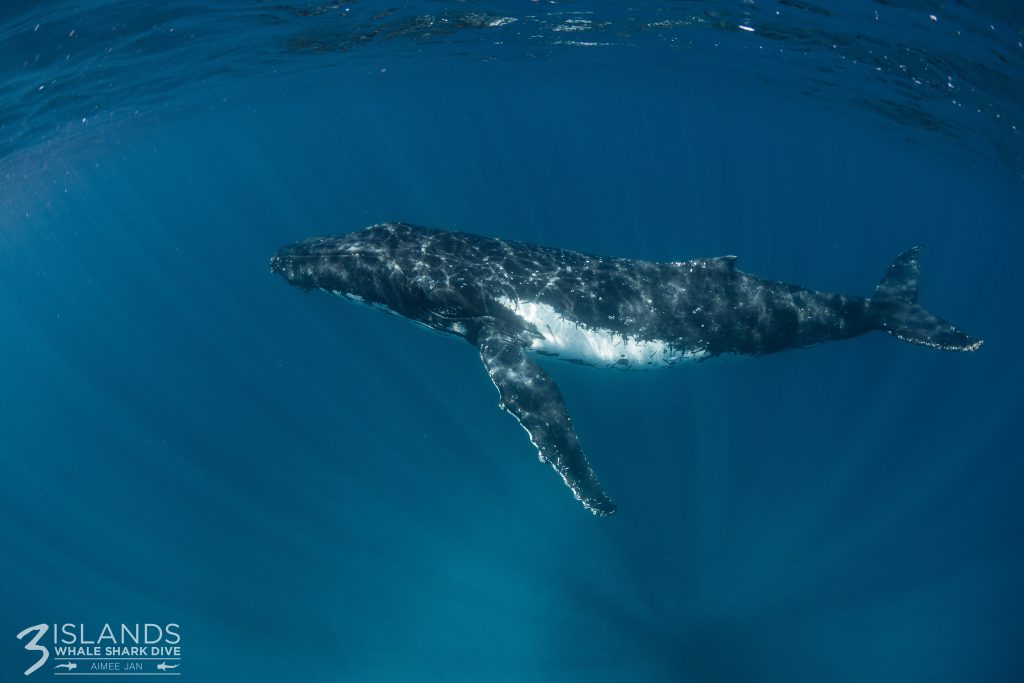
<point x="513" y="300"/>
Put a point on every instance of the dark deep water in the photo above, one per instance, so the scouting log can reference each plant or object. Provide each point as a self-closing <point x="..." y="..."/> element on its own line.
<point x="318" y="492"/>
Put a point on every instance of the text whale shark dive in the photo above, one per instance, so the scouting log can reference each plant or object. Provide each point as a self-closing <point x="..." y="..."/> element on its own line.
<point x="512" y="299"/>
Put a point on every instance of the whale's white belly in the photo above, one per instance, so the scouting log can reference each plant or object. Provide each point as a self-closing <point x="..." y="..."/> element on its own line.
<point x="571" y="340"/>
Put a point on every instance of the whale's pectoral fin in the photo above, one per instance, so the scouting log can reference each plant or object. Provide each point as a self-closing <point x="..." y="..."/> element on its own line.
<point x="533" y="398"/>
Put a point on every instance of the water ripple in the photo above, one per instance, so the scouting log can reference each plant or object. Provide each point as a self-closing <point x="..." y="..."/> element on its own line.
<point x="932" y="70"/>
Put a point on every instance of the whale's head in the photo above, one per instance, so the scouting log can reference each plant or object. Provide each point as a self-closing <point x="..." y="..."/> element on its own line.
<point x="342" y="264"/>
<point x="362" y="266"/>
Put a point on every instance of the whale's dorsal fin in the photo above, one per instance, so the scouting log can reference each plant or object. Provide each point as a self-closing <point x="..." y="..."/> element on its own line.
<point x="724" y="263"/>
<point x="533" y="398"/>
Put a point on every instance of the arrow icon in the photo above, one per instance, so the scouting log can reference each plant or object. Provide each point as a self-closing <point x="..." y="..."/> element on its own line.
<point x="164" y="666"/>
<point x="67" y="665"/>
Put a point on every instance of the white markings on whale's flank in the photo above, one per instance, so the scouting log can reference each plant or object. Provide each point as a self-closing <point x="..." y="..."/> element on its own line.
<point x="570" y="340"/>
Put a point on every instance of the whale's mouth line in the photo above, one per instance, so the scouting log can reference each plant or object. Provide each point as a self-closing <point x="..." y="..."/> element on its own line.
<point x="279" y="263"/>
<point x="297" y="257"/>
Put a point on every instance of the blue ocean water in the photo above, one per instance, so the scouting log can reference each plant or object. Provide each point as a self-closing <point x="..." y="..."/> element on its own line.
<point x="314" y="491"/>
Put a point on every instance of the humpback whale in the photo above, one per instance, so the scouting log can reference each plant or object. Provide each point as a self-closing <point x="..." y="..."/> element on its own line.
<point x="514" y="300"/>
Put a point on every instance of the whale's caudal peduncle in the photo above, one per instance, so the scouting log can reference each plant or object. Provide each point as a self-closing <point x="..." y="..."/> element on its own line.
<point x="511" y="299"/>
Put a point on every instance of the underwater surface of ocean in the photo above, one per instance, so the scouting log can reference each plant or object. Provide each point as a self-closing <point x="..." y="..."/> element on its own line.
<point x="314" y="491"/>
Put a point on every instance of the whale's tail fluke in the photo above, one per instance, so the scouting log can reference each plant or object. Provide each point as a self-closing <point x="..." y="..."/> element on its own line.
<point x="894" y="309"/>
